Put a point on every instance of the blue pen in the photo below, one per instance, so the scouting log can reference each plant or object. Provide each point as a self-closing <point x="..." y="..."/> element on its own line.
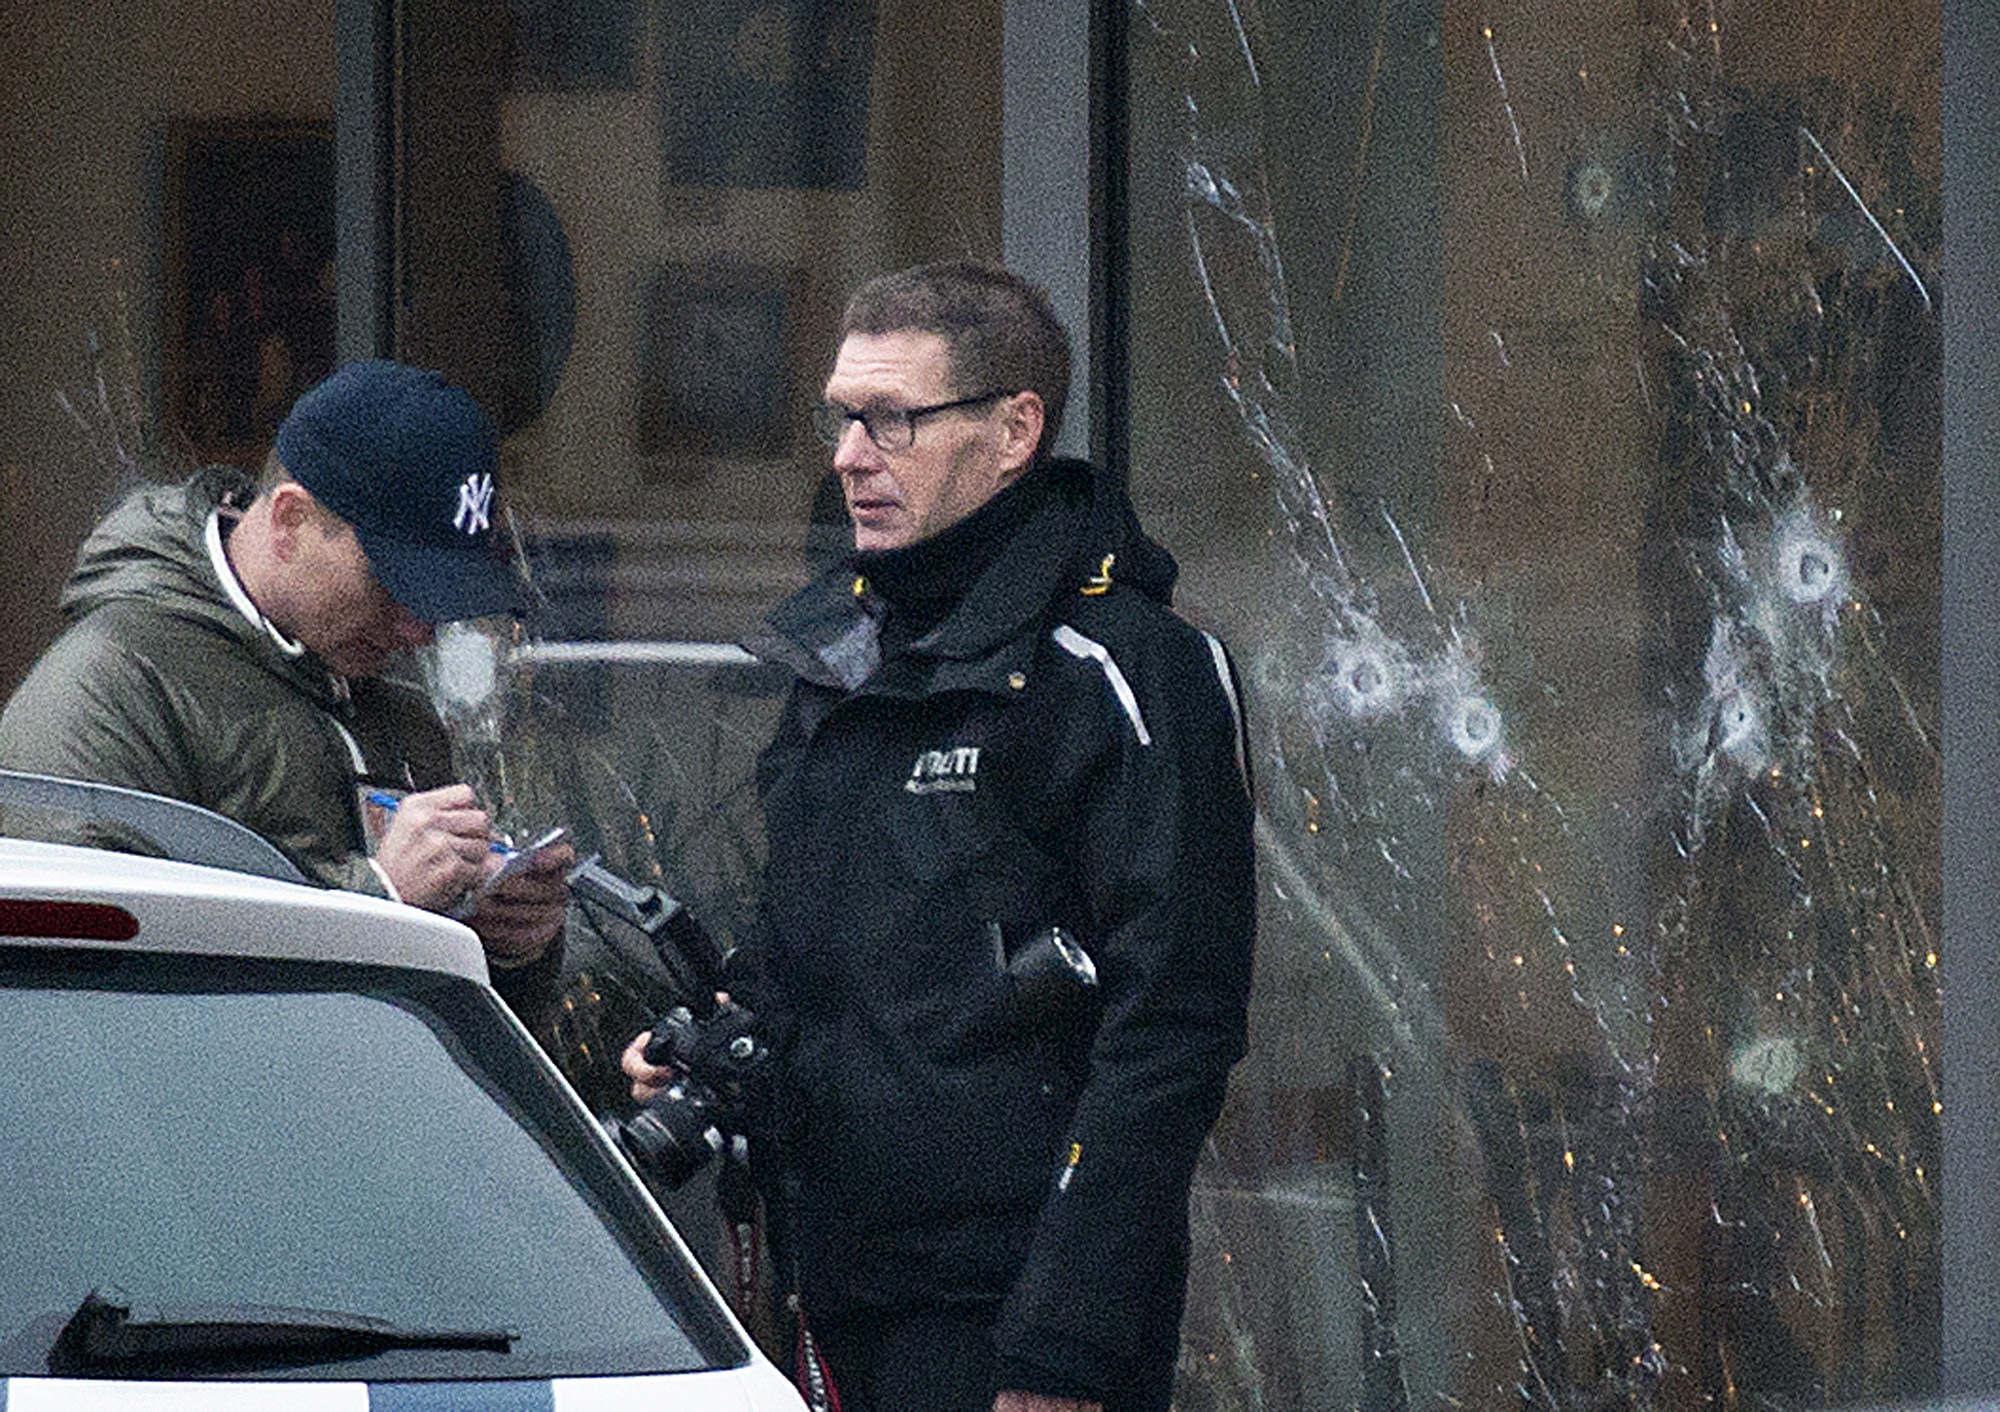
<point x="391" y="803"/>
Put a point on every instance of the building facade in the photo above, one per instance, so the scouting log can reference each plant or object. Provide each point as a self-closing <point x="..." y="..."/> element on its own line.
<point x="1564" y="412"/>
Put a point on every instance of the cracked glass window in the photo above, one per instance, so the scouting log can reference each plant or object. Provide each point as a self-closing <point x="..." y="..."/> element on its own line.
<point x="1544" y="400"/>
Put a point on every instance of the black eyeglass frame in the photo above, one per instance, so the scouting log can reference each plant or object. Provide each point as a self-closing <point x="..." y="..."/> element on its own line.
<point x="830" y="419"/>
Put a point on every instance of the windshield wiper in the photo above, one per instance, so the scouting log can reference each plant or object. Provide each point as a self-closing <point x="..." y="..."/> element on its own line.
<point x="111" y="1333"/>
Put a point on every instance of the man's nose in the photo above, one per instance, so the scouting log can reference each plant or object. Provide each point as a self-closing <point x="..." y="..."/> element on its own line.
<point x="856" y="451"/>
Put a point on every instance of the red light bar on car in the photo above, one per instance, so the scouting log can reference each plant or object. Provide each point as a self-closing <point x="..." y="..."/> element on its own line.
<point x="74" y="921"/>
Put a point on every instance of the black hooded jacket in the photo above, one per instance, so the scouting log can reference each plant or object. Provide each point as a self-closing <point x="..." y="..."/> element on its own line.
<point x="1046" y="744"/>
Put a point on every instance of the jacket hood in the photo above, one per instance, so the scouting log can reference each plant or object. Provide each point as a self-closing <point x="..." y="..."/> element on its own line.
<point x="151" y="546"/>
<point x="1112" y="527"/>
<point x="1084" y="539"/>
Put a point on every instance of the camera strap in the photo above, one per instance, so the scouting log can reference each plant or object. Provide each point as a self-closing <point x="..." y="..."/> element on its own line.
<point x="743" y="1242"/>
<point x="812" y="1376"/>
<point x="736" y="1194"/>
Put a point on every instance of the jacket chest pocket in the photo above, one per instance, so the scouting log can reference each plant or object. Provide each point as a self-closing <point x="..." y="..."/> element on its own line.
<point x="942" y="825"/>
<point x="962" y="823"/>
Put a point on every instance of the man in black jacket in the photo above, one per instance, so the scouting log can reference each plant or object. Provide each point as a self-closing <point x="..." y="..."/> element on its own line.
<point x="997" y="727"/>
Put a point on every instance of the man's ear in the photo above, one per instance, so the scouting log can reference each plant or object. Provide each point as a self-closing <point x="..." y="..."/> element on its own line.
<point x="290" y="511"/>
<point x="1022" y="418"/>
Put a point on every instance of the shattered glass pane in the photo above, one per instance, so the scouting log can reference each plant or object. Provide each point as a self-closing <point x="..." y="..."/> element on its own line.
<point x="1566" y="382"/>
<point x="1543" y="399"/>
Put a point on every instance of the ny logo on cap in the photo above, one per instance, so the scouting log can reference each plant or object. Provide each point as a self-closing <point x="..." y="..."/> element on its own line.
<point x="475" y="503"/>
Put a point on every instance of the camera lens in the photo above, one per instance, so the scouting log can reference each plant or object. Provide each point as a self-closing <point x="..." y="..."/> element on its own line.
<point x="673" y="1136"/>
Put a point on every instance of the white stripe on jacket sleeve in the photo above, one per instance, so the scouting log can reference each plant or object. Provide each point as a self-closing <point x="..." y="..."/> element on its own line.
<point x="1079" y="646"/>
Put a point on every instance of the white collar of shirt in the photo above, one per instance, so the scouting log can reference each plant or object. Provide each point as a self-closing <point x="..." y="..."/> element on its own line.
<point x="225" y="574"/>
<point x="233" y="586"/>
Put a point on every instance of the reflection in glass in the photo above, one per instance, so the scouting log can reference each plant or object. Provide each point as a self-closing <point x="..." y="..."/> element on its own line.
<point x="1543" y="399"/>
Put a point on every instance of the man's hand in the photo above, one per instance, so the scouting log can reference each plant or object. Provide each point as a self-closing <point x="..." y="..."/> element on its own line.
<point x="1034" y="1402"/>
<point x="518" y="919"/>
<point x="435" y="847"/>
<point x="649" y="1081"/>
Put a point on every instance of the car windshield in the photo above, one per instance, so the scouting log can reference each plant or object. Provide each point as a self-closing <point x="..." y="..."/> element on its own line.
<point x="378" y="1143"/>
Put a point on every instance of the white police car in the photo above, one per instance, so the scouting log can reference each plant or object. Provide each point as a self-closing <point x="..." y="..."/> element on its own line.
<point x="268" y="1146"/>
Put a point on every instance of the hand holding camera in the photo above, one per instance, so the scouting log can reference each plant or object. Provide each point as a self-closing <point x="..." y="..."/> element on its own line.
<point x="695" y="1079"/>
<point x="651" y="1061"/>
<point x="699" y="1079"/>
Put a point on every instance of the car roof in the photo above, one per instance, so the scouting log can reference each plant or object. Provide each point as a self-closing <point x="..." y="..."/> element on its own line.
<point x="194" y="910"/>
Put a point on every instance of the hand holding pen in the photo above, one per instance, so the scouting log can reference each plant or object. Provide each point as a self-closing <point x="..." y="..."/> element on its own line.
<point x="439" y="852"/>
<point x="435" y="847"/>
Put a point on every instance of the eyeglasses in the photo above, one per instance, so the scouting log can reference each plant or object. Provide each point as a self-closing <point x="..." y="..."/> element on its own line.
<point x="891" y="428"/>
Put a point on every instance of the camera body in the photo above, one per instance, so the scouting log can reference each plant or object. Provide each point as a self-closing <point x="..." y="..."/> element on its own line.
<point x="719" y="1058"/>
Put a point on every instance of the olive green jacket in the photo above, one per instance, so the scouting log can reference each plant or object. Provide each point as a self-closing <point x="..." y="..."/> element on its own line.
<point x="162" y="683"/>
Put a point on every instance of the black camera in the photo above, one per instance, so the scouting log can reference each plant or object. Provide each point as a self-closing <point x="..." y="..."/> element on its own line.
<point x="708" y="1108"/>
<point x="713" y="1046"/>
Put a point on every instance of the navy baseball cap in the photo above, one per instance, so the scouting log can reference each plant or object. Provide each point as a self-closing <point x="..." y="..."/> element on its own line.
<point x="409" y="460"/>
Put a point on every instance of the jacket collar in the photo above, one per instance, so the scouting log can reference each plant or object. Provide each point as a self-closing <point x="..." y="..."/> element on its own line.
<point x="1014" y="591"/>
<point x="827" y="633"/>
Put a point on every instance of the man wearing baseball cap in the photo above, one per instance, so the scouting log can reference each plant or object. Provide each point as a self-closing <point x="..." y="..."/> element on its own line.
<point x="225" y="640"/>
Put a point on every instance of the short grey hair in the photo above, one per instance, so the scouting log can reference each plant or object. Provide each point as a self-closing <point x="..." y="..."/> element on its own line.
<point x="999" y="328"/>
